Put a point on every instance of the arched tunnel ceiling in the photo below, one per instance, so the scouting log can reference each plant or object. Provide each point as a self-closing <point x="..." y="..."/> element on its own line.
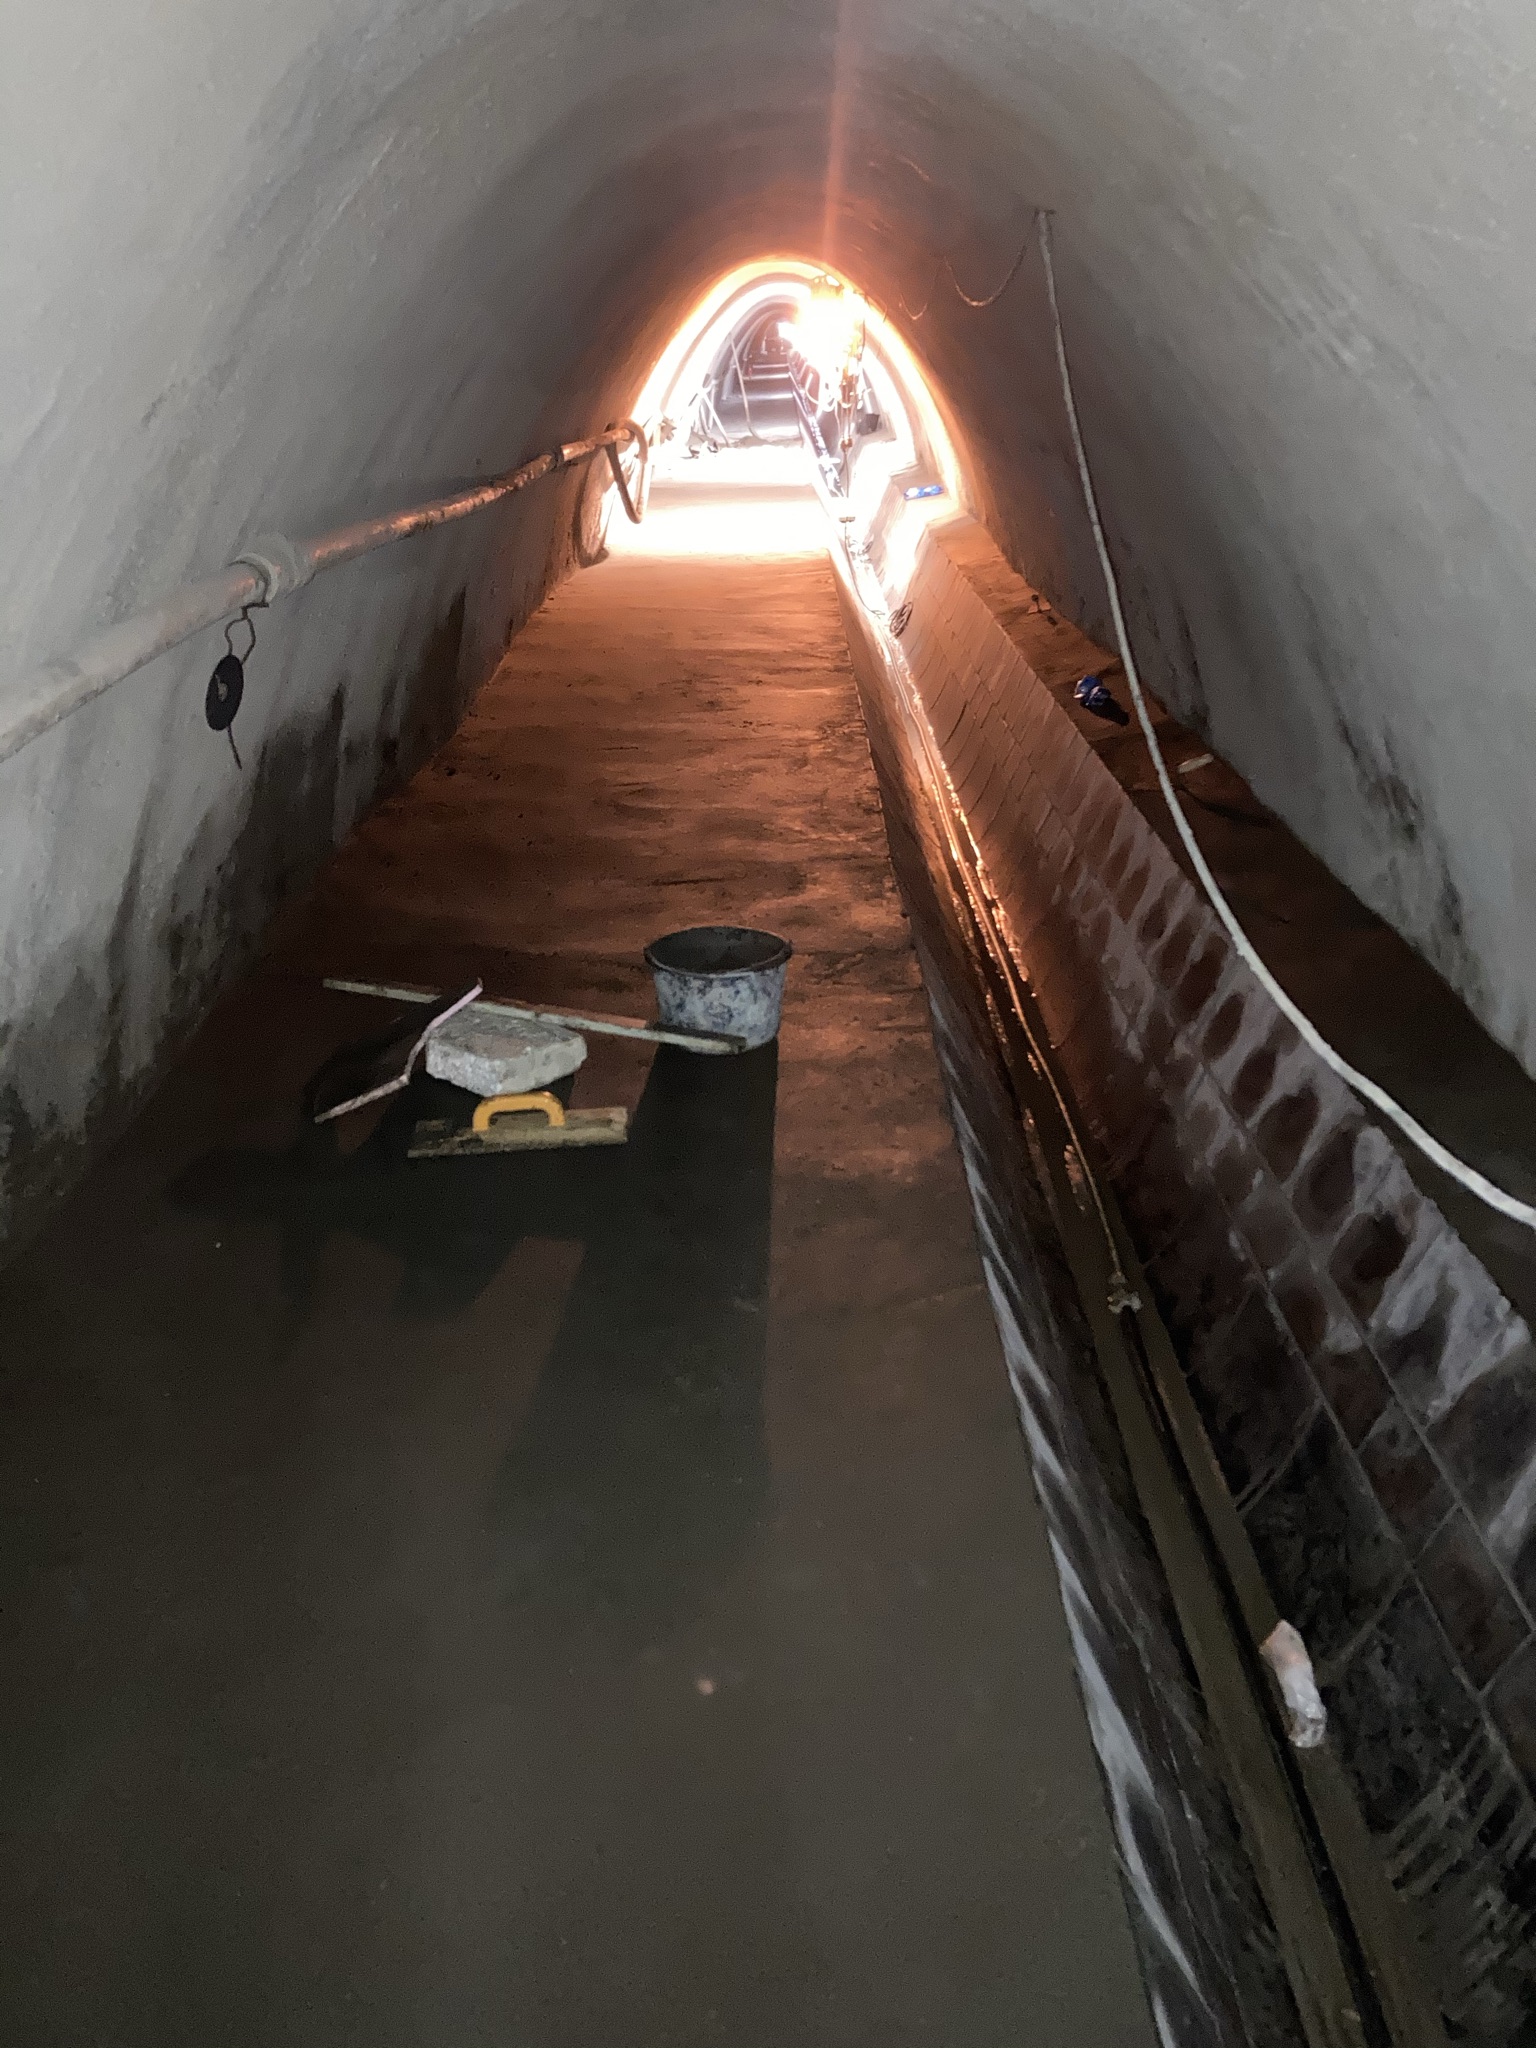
<point x="279" y="270"/>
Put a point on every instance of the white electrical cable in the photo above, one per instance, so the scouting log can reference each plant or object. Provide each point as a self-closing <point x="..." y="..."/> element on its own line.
<point x="1433" y="1150"/>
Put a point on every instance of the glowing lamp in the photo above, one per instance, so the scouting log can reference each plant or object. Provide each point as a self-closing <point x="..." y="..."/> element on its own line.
<point x="829" y="328"/>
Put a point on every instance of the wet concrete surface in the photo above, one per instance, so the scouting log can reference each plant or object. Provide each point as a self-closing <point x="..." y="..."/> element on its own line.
<point x="569" y="1599"/>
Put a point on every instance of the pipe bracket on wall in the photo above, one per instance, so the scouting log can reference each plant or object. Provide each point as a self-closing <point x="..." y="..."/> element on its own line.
<point x="279" y="563"/>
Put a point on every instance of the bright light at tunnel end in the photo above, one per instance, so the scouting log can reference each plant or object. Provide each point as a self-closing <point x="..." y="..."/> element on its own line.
<point x="731" y="298"/>
<point x="830" y="328"/>
<point x="834" y="328"/>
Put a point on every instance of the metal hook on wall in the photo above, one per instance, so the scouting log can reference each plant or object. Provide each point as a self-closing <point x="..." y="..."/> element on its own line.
<point x="226" y="686"/>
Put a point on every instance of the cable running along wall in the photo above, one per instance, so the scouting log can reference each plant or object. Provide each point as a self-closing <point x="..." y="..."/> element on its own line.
<point x="1439" y="1155"/>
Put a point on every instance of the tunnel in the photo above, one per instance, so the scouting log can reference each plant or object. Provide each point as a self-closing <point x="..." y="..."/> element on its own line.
<point x="1001" y="1506"/>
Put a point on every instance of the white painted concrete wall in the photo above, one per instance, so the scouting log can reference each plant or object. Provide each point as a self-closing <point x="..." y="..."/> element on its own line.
<point x="280" y="267"/>
<point x="1299" y="273"/>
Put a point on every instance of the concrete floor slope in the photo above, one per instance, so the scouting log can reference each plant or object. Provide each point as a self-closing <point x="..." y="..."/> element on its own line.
<point x="594" y="1598"/>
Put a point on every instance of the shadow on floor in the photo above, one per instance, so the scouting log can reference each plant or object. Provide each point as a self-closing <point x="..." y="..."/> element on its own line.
<point x="638" y="1469"/>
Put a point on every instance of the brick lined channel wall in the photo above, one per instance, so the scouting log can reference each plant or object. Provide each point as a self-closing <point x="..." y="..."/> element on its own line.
<point x="1211" y="1958"/>
<point x="1368" y="1391"/>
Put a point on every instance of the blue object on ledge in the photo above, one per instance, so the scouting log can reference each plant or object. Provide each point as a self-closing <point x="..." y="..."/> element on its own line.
<point x="1095" y="695"/>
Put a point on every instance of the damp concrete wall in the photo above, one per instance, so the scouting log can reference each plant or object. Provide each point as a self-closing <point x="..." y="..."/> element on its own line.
<point x="275" y="271"/>
<point x="265" y="277"/>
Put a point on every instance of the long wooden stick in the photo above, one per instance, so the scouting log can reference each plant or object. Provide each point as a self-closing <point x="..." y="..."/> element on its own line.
<point x="498" y="1006"/>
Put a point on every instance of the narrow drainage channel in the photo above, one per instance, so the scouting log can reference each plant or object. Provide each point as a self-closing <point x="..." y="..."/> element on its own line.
<point x="1261" y="1907"/>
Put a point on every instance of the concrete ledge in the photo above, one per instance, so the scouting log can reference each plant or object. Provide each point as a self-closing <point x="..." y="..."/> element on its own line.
<point x="1368" y="1389"/>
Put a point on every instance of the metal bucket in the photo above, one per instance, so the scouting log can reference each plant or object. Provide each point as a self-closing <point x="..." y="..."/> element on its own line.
<point x="721" y="977"/>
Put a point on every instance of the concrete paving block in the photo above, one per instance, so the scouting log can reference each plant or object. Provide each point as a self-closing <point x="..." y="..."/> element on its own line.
<point x="491" y="1055"/>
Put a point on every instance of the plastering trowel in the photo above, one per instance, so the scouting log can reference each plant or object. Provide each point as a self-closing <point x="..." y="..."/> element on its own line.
<point x="538" y="1122"/>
